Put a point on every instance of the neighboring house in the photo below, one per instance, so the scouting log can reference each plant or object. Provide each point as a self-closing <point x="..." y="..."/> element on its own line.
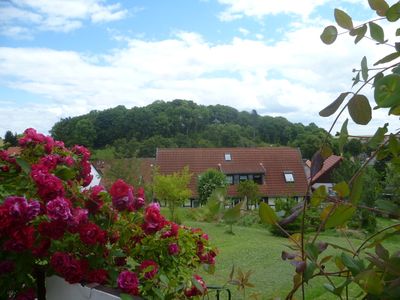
<point x="324" y="176"/>
<point x="278" y="170"/>
<point x="139" y="169"/>
<point x="13" y="150"/>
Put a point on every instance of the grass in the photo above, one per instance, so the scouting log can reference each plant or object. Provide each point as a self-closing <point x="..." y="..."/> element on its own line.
<point x="254" y="248"/>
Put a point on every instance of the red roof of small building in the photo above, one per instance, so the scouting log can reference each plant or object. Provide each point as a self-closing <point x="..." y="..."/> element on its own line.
<point x="270" y="161"/>
<point x="329" y="164"/>
<point x="13" y="150"/>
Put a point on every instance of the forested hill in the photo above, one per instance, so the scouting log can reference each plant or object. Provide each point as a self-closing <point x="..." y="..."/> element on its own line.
<point x="140" y="130"/>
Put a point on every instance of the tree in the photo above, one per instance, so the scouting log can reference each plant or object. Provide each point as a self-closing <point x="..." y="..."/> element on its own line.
<point x="354" y="147"/>
<point x="209" y="181"/>
<point x="173" y="188"/>
<point x="10" y="139"/>
<point x="250" y="191"/>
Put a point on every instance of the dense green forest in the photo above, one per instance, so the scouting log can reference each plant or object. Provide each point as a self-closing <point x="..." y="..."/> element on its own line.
<point x="138" y="131"/>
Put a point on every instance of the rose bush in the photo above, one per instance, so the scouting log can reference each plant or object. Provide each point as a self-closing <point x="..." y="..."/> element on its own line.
<point x="49" y="222"/>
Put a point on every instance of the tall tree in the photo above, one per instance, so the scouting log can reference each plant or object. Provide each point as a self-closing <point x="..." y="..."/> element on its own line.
<point x="173" y="189"/>
<point x="209" y="181"/>
<point x="10" y="139"/>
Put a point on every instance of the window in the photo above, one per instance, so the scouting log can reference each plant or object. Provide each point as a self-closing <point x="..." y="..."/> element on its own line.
<point x="229" y="179"/>
<point x="242" y="178"/>
<point x="257" y="178"/>
<point x="289" y="176"/>
<point x="228" y="156"/>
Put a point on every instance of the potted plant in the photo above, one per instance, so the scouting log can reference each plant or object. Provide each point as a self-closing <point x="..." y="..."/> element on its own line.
<point x="50" y="225"/>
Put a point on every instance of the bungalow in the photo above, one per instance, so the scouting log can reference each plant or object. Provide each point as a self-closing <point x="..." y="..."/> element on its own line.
<point x="324" y="176"/>
<point x="278" y="170"/>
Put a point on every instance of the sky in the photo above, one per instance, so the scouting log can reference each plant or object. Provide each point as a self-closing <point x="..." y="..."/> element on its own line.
<point x="63" y="58"/>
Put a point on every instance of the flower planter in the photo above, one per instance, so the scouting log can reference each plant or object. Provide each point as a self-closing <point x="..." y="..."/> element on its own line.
<point x="58" y="289"/>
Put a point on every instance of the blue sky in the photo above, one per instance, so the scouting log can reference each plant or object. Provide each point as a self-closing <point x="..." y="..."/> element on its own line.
<point x="63" y="58"/>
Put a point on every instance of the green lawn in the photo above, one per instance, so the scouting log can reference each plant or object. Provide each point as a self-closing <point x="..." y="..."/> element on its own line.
<point x="257" y="250"/>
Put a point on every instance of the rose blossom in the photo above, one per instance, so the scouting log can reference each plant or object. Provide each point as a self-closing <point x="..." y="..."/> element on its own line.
<point x="128" y="282"/>
<point x="59" y="209"/>
<point x="91" y="234"/>
<point x="153" y="220"/>
<point x="28" y="294"/>
<point x="173" y="249"/>
<point x="149" y="268"/>
<point x="194" y="291"/>
<point x="98" y="276"/>
<point x="95" y="202"/>
<point x="20" y="239"/>
<point x="54" y="230"/>
<point x="6" y="266"/>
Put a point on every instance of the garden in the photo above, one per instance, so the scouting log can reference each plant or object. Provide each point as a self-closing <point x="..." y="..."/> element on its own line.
<point x="340" y="244"/>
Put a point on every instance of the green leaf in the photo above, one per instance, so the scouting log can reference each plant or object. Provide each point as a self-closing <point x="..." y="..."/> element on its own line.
<point x="356" y="189"/>
<point x="387" y="91"/>
<point x="378" y="137"/>
<point x="326" y="151"/>
<point x="370" y="282"/>
<point x="342" y="189"/>
<point x="329" y="35"/>
<point x="308" y="273"/>
<point x="381" y="251"/>
<point x="318" y="196"/>
<point x="361" y="31"/>
<point x="393" y="13"/>
<point x="380" y="6"/>
<point x="23" y="164"/>
<point x="397" y="31"/>
<point x="376" y="32"/>
<point x="393" y="146"/>
<point x="311" y="251"/>
<point x="125" y="296"/>
<point x="356" y="79"/>
<point x="341" y="215"/>
<point x="333" y="107"/>
<point x="395" y="110"/>
<point x="351" y="263"/>
<point x="233" y="214"/>
<point x="64" y="173"/>
<point x="388" y="58"/>
<point x="197" y="285"/>
<point x="343" y="136"/>
<point x="364" y="68"/>
<point x="360" y="109"/>
<point x="343" y="19"/>
<point x="267" y="214"/>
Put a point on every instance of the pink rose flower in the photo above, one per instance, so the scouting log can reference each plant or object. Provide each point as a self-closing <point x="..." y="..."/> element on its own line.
<point x="128" y="282"/>
<point x="59" y="209"/>
<point x="173" y="249"/>
<point x="149" y="268"/>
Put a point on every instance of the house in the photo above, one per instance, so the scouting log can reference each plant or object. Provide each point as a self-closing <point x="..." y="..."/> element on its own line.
<point x="324" y="176"/>
<point x="278" y="170"/>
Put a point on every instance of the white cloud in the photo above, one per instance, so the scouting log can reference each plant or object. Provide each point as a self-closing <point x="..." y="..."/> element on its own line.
<point x="237" y="9"/>
<point x="294" y="78"/>
<point x="57" y="15"/>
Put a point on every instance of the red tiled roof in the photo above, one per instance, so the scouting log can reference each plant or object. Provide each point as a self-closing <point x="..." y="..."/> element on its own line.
<point x="273" y="161"/>
<point x="13" y="150"/>
<point x="329" y="163"/>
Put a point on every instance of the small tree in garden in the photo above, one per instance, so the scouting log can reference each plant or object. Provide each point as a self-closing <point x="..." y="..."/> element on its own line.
<point x="50" y="225"/>
<point x="173" y="189"/>
<point x="249" y="191"/>
<point x="209" y="181"/>
<point x="369" y="266"/>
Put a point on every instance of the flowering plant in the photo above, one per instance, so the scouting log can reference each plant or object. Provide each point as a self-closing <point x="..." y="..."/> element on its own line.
<point x="49" y="223"/>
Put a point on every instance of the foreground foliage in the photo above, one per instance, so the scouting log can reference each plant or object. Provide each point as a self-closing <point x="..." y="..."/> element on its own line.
<point x="370" y="266"/>
<point x="51" y="225"/>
